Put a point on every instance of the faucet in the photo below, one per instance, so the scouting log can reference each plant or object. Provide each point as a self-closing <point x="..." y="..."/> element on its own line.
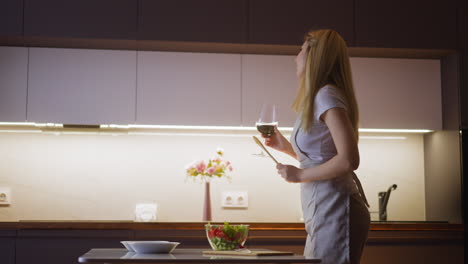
<point x="383" y="201"/>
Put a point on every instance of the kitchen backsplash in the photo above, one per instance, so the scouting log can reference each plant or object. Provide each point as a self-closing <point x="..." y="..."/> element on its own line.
<point x="91" y="176"/>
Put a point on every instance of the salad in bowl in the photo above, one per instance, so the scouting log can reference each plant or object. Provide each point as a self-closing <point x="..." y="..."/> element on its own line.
<point x="226" y="237"/>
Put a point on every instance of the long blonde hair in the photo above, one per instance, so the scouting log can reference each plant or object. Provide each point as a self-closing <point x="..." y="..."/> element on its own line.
<point x="327" y="63"/>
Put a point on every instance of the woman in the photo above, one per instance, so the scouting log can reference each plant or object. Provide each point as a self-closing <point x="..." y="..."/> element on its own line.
<point x="324" y="140"/>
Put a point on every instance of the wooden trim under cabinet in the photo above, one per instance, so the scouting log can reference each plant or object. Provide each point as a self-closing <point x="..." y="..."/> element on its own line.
<point x="260" y="234"/>
<point x="93" y="224"/>
<point x="210" y="47"/>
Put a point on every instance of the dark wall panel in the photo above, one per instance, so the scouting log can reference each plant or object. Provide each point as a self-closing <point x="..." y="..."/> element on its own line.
<point x="286" y="22"/>
<point x="84" y="18"/>
<point x="406" y="24"/>
<point x="11" y="18"/>
<point x="187" y="20"/>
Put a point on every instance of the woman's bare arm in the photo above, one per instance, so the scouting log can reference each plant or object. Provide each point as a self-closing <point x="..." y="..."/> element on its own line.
<point x="346" y="159"/>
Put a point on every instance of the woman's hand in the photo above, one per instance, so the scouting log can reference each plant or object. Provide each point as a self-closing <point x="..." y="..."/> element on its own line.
<point x="277" y="141"/>
<point x="289" y="173"/>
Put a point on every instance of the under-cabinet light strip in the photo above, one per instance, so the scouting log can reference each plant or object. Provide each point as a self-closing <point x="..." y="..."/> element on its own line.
<point x="215" y="128"/>
<point x="238" y="128"/>
<point x="379" y="137"/>
<point x="371" y="130"/>
<point x="17" y="124"/>
<point x="245" y="128"/>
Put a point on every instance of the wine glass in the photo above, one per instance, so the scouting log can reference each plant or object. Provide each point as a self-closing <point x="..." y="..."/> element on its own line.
<point x="267" y="120"/>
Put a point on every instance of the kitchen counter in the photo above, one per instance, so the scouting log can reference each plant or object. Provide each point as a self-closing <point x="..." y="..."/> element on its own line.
<point x="408" y="232"/>
<point x="400" y="242"/>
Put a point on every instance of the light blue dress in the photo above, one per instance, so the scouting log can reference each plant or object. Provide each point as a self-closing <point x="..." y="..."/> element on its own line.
<point x="326" y="203"/>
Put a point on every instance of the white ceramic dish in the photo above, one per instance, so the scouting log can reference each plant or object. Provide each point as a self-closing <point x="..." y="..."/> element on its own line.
<point x="148" y="247"/>
<point x="127" y="245"/>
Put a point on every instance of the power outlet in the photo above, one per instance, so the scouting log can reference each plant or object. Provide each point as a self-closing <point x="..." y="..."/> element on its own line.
<point x="5" y="196"/>
<point x="235" y="199"/>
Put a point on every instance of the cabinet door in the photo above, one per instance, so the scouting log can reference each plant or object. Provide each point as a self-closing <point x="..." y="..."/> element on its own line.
<point x="177" y="88"/>
<point x="7" y="246"/>
<point x="13" y="84"/>
<point x="64" y="246"/>
<point x="11" y="18"/>
<point x="200" y="20"/>
<point x="268" y="79"/>
<point x="84" y="18"/>
<point x="406" y="24"/>
<point x="286" y="22"/>
<point x="398" y="93"/>
<point x="76" y="86"/>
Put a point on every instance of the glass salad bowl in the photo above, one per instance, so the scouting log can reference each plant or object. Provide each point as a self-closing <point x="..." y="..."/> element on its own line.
<point x="226" y="237"/>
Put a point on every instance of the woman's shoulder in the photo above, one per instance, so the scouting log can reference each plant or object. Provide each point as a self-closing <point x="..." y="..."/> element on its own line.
<point x="329" y="96"/>
<point x="329" y="90"/>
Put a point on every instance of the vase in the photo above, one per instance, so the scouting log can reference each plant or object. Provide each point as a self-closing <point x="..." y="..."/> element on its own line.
<point x="207" y="203"/>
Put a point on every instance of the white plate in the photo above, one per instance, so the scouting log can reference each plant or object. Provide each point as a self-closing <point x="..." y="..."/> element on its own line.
<point x="147" y="247"/>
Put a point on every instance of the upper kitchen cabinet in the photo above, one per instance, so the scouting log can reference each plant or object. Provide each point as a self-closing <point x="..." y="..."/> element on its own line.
<point x="398" y="93"/>
<point x="268" y="79"/>
<point x="81" y="19"/>
<point x="11" y="18"/>
<point x="391" y="93"/>
<point x="406" y="24"/>
<point x="76" y="86"/>
<point x="176" y="88"/>
<point x="13" y="83"/>
<point x="200" y="20"/>
<point x="286" y="22"/>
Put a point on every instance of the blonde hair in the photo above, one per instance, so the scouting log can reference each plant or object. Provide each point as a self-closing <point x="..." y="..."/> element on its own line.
<point x="327" y="64"/>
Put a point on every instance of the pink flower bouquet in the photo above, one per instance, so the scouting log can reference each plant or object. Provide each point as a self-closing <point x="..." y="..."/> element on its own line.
<point x="215" y="167"/>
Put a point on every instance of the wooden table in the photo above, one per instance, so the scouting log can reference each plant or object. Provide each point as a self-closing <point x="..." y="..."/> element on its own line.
<point x="189" y="255"/>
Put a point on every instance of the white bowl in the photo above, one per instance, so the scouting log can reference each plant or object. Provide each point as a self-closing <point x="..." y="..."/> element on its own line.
<point x="146" y="247"/>
<point x="127" y="245"/>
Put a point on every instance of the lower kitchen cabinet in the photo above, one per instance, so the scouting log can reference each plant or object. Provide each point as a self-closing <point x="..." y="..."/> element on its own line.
<point x="64" y="246"/>
<point x="413" y="253"/>
<point x="7" y="246"/>
<point x="414" y="243"/>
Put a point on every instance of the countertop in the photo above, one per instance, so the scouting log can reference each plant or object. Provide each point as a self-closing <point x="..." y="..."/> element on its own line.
<point x="187" y="255"/>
